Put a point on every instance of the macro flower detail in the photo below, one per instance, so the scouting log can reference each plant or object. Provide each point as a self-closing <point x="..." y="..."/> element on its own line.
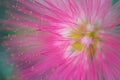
<point x="86" y="37"/>
<point x="64" y="39"/>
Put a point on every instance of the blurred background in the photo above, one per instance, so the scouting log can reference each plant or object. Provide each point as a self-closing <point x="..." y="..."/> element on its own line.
<point x="7" y="70"/>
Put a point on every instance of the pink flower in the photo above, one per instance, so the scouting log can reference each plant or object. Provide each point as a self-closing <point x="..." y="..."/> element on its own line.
<point x="65" y="39"/>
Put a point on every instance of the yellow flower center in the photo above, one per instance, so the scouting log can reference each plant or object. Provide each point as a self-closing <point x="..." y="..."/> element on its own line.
<point x="86" y="37"/>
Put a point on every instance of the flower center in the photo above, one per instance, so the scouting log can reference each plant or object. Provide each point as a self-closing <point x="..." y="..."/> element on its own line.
<point x="85" y="37"/>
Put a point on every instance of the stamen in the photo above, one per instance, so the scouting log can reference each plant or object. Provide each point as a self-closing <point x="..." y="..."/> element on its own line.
<point x="77" y="45"/>
<point x="84" y="36"/>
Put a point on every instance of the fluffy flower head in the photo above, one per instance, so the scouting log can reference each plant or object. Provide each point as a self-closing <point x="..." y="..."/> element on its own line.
<point x="65" y="39"/>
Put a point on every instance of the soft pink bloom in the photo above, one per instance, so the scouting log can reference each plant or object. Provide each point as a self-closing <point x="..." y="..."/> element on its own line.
<point x="65" y="39"/>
